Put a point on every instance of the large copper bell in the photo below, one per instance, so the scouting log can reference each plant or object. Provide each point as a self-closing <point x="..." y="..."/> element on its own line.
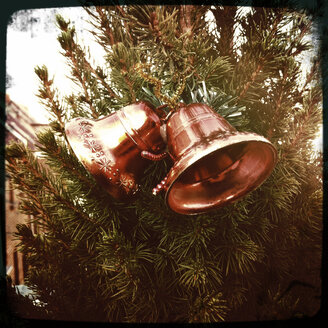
<point x="110" y="148"/>
<point x="213" y="163"/>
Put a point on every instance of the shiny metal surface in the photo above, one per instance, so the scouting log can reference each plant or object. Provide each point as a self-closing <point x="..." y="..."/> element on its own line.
<point x="214" y="164"/>
<point x="110" y="148"/>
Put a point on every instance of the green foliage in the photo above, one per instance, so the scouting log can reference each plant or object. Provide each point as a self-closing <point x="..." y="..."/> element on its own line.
<point x="94" y="258"/>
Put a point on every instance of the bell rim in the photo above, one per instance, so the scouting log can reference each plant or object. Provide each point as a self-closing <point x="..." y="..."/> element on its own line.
<point x="193" y="155"/>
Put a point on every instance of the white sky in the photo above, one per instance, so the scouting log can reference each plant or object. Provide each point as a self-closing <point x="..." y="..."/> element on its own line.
<point x="38" y="46"/>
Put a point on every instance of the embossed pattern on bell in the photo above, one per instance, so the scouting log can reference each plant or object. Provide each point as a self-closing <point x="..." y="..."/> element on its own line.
<point x="110" y="147"/>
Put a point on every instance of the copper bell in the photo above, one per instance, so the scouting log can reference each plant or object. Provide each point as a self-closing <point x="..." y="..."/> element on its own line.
<point x="110" y="147"/>
<point x="214" y="164"/>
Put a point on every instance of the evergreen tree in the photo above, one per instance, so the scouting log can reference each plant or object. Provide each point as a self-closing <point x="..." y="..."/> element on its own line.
<point x="95" y="258"/>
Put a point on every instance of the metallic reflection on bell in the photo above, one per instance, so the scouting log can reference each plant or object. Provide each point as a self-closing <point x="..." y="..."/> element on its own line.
<point x="110" y="147"/>
<point x="214" y="164"/>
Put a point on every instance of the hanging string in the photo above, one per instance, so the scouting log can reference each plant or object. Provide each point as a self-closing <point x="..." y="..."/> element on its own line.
<point x="171" y="102"/>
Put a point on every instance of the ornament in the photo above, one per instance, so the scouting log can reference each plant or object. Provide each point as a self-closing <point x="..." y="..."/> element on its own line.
<point x="110" y="148"/>
<point x="214" y="164"/>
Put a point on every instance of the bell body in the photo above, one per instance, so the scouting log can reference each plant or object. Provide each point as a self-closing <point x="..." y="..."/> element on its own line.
<point x="214" y="164"/>
<point x="110" y="147"/>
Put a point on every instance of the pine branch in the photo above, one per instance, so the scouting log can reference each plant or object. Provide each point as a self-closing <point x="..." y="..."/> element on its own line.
<point x="186" y="24"/>
<point x="295" y="43"/>
<point x="76" y="56"/>
<point x="156" y="29"/>
<point x="49" y="95"/>
<point x="83" y="81"/>
<point x="278" y="103"/>
<point x="225" y="24"/>
<point x="312" y="113"/>
<point x="40" y="178"/>
<point x="209" y="307"/>
<point x="260" y="44"/>
<point x="103" y="25"/>
<point x="59" y="159"/>
<point x="100" y="76"/>
<point x="309" y="78"/>
<point x="252" y="79"/>
<point x="127" y="80"/>
<point x="125" y="22"/>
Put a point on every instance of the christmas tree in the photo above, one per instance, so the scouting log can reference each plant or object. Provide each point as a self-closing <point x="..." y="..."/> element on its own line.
<point x="96" y="258"/>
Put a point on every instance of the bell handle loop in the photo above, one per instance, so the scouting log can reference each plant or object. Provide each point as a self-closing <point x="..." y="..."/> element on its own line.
<point x="169" y="114"/>
<point x="161" y="113"/>
<point x="153" y="157"/>
<point x="160" y="187"/>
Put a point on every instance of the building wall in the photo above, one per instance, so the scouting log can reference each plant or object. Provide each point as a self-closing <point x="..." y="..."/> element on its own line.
<point x="19" y="127"/>
<point x="14" y="259"/>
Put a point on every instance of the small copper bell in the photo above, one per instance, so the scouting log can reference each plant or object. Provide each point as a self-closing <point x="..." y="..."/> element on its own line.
<point x="110" y="147"/>
<point x="214" y="164"/>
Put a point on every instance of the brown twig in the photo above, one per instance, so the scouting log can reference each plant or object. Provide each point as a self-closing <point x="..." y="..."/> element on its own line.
<point x="251" y="80"/>
<point x="225" y="25"/>
<point x="185" y="20"/>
